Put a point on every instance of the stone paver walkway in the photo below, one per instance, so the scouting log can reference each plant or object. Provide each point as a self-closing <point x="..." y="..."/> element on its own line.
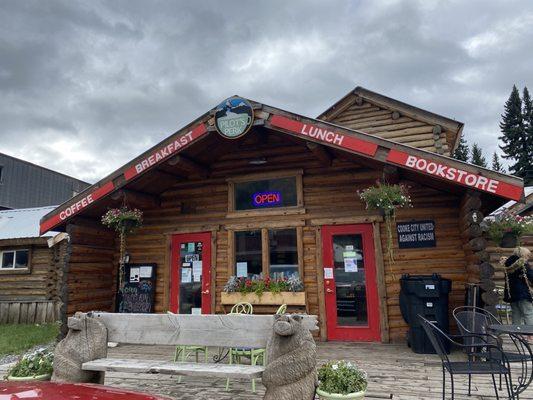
<point x="394" y="372"/>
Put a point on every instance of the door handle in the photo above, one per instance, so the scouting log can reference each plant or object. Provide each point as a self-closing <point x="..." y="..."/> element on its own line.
<point x="205" y="291"/>
<point x="328" y="290"/>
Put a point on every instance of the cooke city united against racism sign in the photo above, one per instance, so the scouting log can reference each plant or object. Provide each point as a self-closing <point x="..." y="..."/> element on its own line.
<point x="457" y="175"/>
<point x="166" y="151"/>
<point x="324" y="135"/>
<point x="76" y="207"/>
<point x="416" y="234"/>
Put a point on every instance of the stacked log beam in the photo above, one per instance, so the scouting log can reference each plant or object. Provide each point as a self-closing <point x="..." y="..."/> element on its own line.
<point x="479" y="270"/>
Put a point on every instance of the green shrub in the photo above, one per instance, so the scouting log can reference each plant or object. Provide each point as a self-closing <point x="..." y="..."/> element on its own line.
<point x="341" y="377"/>
<point x="39" y="362"/>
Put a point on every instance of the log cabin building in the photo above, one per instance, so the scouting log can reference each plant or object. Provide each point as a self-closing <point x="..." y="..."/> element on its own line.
<point x="249" y="189"/>
<point x="29" y="276"/>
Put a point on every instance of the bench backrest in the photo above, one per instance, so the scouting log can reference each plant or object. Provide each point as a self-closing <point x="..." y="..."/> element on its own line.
<point x="202" y="330"/>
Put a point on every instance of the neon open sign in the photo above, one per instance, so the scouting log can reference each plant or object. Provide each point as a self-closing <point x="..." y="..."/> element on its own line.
<point x="266" y="199"/>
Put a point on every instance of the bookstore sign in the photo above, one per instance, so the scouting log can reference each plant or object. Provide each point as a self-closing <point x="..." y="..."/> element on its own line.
<point x="416" y="234"/>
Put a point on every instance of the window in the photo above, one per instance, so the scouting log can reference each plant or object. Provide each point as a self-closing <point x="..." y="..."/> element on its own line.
<point x="248" y="253"/>
<point x="267" y="252"/>
<point x="14" y="259"/>
<point x="266" y="193"/>
<point x="283" y="253"/>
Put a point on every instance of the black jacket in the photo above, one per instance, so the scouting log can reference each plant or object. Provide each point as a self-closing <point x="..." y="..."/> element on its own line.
<point x="518" y="286"/>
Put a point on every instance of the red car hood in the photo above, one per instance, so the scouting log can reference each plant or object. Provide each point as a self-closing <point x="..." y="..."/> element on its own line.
<point x="68" y="391"/>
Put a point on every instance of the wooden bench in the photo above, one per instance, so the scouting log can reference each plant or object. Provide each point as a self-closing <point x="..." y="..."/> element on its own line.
<point x="228" y="331"/>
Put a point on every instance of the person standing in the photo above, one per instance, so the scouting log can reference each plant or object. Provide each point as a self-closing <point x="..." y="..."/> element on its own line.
<point x="519" y="286"/>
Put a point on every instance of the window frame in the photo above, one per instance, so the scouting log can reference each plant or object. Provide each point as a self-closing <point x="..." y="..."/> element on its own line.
<point x="13" y="270"/>
<point x="297" y="209"/>
<point x="265" y="248"/>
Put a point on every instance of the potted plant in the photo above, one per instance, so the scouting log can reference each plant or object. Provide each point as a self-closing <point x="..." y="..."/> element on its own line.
<point x="341" y="380"/>
<point x="386" y="198"/>
<point x="124" y="220"/>
<point x="264" y="291"/>
<point x="506" y="229"/>
<point x="35" y="366"/>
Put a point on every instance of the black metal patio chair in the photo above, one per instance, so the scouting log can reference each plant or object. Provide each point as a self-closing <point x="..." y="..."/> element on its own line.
<point x="494" y="362"/>
<point x="475" y="320"/>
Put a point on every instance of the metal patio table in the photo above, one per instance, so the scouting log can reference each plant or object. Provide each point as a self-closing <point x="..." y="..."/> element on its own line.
<point x="519" y="335"/>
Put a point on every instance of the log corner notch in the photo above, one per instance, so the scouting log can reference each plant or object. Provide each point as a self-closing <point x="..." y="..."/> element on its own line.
<point x="479" y="270"/>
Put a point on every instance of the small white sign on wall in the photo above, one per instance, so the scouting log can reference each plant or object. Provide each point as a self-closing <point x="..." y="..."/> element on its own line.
<point x="328" y="273"/>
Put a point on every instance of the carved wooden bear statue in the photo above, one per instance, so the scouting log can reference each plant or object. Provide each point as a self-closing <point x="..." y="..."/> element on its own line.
<point x="86" y="341"/>
<point x="290" y="373"/>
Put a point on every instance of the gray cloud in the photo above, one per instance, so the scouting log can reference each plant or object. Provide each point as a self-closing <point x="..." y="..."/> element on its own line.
<point x="86" y="86"/>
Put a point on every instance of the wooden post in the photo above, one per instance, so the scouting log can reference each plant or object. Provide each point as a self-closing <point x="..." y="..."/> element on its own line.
<point x="380" y="280"/>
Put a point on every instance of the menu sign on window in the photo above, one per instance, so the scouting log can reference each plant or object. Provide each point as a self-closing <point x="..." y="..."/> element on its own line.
<point x="416" y="234"/>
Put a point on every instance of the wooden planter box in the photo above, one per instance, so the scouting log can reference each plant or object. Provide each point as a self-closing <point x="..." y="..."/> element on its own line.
<point x="266" y="299"/>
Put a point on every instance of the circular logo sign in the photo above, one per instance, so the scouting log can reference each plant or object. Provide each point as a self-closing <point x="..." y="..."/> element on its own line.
<point x="234" y="117"/>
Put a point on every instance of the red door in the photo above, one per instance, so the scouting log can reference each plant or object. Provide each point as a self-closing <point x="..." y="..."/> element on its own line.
<point x="190" y="276"/>
<point x="352" y="307"/>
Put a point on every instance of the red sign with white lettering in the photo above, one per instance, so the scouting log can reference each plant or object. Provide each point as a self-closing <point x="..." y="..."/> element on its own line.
<point x="325" y="135"/>
<point x="166" y="151"/>
<point x="76" y="207"/>
<point x="457" y="175"/>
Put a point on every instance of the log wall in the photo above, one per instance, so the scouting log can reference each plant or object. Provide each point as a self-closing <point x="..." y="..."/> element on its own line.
<point x="90" y="269"/>
<point x="390" y="124"/>
<point x="31" y="296"/>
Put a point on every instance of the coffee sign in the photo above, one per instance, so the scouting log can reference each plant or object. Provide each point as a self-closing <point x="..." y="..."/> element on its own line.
<point x="416" y="234"/>
<point x="234" y="117"/>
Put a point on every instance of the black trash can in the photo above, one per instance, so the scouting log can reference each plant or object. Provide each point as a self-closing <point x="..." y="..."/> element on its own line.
<point x="425" y="295"/>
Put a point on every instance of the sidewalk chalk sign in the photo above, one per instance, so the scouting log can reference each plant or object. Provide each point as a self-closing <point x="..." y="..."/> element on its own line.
<point x="139" y="288"/>
<point x="416" y="234"/>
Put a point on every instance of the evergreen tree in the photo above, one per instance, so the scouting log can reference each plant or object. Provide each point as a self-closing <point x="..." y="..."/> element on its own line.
<point x="496" y="165"/>
<point x="462" y="151"/>
<point x="527" y="115"/>
<point x="477" y="156"/>
<point x="515" y="146"/>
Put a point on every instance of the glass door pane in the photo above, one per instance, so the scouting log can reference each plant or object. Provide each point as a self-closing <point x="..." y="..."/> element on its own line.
<point x="190" y="289"/>
<point x="350" y="281"/>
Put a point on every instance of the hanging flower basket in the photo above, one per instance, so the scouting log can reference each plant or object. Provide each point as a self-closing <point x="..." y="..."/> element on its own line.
<point x="386" y="199"/>
<point x="506" y="229"/>
<point x="123" y="219"/>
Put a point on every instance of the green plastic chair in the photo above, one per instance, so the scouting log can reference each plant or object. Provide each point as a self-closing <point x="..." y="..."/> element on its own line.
<point x="282" y="309"/>
<point x="183" y="353"/>
<point x="242" y="308"/>
<point x="235" y="355"/>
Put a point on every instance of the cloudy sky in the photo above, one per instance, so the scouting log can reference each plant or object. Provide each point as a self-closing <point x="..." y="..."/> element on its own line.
<point x="86" y="86"/>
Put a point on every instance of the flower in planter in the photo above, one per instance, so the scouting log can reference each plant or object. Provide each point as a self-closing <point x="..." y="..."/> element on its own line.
<point x="261" y="285"/>
<point x="37" y="363"/>
<point x="507" y="224"/>
<point x="341" y="377"/>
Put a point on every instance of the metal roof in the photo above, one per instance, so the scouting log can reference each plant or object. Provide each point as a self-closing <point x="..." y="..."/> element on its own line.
<point x="23" y="222"/>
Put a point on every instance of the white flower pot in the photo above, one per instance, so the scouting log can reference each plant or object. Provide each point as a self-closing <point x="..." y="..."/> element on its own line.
<point x="329" y="396"/>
